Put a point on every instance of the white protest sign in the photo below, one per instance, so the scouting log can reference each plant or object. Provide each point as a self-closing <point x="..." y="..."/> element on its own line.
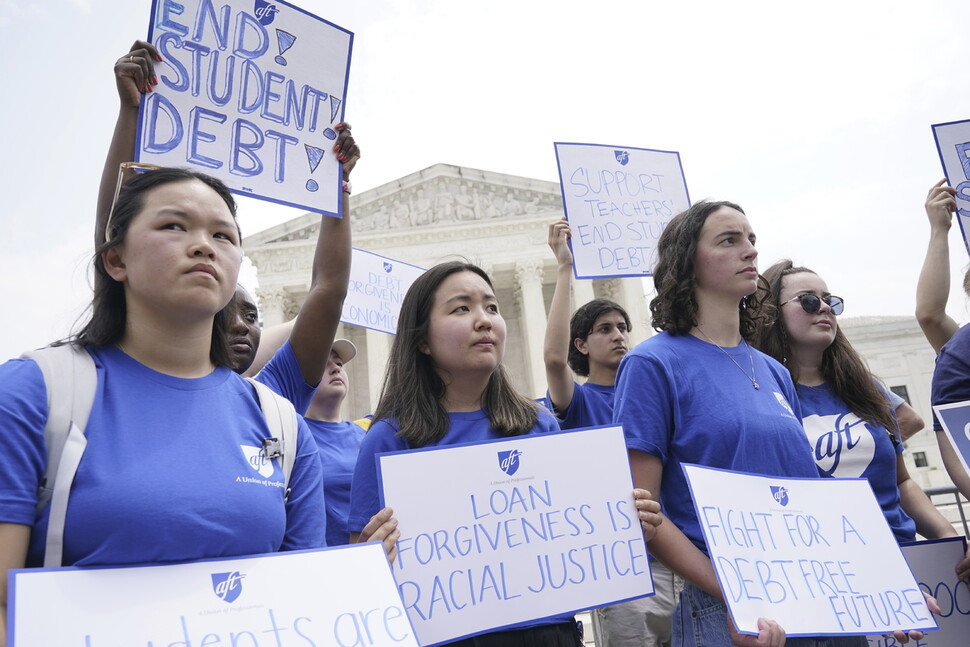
<point x="249" y="91"/>
<point x="816" y="555"/>
<point x="508" y="531"/>
<point x="933" y="563"/>
<point x="339" y="597"/>
<point x="376" y="289"/>
<point x="955" y="420"/>
<point x="618" y="200"/>
<point x="953" y="145"/>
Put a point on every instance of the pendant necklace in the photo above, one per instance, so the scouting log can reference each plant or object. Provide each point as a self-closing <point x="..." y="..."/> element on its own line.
<point x="751" y="377"/>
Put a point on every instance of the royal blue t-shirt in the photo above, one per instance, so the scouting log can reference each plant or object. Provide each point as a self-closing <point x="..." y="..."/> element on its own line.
<point x="282" y="374"/>
<point x="339" y="444"/>
<point x="172" y="470"/>
<point x="683" y="400"/>
<point x="845" y="446"/>
<point x="591" y="406"/>
<point x="951" y="379"/>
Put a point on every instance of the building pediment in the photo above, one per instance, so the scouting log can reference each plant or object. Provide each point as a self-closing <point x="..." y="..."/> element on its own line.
<point x="434" y="198"/>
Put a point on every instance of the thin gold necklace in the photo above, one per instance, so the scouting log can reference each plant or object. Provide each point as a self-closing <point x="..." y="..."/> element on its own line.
<point x="751" y="377"/>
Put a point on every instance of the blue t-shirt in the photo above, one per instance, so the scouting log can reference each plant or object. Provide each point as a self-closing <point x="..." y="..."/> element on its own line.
<point x="951" y="379"/>
<point x="339" y="443"/>
<point x="681" y="399"/>
<point x="172" y="469"/>
<point x="845" y="446"/>
<point x="591" y="406"/>
<point x="282" y="374"/>
<point x="466" y="427"/>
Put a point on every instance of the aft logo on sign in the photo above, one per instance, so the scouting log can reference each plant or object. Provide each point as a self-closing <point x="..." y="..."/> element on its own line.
<point x="388" y="267"/>
<point x="623" y="157"/>
<point x="227" y="586"/>
<point x="265" y="12"/>
<point x="780" y="494"/>
<point x="509" y="461"/>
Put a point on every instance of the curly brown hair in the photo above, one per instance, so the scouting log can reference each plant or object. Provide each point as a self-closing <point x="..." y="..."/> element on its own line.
<point x="674" y="309"/>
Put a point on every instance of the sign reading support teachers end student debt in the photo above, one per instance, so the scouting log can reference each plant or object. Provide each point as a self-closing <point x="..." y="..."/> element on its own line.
<point x="376" y="289"/>
<point x="618" y="200"/>
<point x="249" y="91"/>
<point x="816" y="555"/>
<point x="341" y="597"/>
<point x="953" y="144"/>
<point x="508" y="531"/>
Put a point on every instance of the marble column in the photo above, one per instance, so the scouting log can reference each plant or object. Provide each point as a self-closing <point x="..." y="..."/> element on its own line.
<point x="273" y="304"/>
<point x="532" y="309"/>
<point x="378" y="350"/>
<point x="582" y="293"/>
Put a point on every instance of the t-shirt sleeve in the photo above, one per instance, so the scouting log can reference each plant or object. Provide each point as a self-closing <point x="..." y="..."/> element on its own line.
<point x="306" y="518"/>
<point x="951" y="378"/>
<point x="643" y="405"/>
<point x="365" y="499"/>
<point x="282" y="374"/>
<point x="23" y="414"/>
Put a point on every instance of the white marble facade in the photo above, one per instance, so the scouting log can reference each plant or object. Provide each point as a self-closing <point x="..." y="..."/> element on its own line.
<point x="443" y="212"/>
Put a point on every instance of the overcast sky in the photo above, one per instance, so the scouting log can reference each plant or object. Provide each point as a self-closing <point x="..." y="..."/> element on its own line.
<point x="814" y="117"/>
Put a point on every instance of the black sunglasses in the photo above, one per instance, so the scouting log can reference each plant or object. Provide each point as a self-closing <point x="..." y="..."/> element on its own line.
<point x="812" y="303"/>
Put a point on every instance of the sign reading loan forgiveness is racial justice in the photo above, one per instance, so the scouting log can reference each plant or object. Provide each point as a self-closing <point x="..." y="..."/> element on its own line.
<point x="618" y="200"/>
<point x="339" y="597"/>
<point x="249" y="91"/>
<point x="514" y="530"/>
<point x="376" y="289"/>
<point x="816" y="555"/>
<point x="953" y="145"/>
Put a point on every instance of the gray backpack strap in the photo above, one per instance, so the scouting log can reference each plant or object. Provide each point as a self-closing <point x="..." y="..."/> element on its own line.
<point x="283" y="427"/>
<point x="71" y="379"/>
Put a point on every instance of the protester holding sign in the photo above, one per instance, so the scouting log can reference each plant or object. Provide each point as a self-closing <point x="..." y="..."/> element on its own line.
<point x="175" y="466"/>
<point x="297" y="365"/>
<point x="445" y="385"/>
<point x="592" y="343"/>
<point x="698" y="393"/>
<point x="845" y="412"/>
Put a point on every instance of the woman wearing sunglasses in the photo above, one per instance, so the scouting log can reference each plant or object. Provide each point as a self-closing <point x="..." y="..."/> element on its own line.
<point x="845" y="411"/>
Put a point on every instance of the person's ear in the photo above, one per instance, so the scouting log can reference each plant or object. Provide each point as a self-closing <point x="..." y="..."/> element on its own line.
<point x="581" y="346"/>
<point x="114" y="263"/>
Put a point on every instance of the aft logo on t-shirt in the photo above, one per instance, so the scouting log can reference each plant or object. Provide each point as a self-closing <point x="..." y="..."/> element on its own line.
<point x="256" y="457"/>
<point x="783" y="401"/>
<point x="842" y="444"/>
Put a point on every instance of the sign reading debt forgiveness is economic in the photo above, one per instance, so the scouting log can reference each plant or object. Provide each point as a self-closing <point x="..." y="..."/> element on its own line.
<point x="249" y="91"/>
<point x="514" y="530"/>
<point x="618" y="200"/>
<point x="953" y="145"/>
<point x="340" y="597"/>
<point x="816" y="555"/>
<point x="376" y="289"/>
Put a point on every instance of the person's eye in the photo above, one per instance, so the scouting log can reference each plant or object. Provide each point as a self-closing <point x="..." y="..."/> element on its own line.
<point x="493" y="308"/>
<point x="461" y="309"/>
<point x="174" y="226"/>
<point x="251" y="317"/>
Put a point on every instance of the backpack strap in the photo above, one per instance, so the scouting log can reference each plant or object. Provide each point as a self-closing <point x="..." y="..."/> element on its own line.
<point x="281" y="418"/>
<point x="71" y="379"/>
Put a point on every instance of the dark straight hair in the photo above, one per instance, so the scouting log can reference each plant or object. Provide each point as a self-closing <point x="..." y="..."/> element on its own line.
<point x="108" y="307"/>
<point x="674" y="309"/>
<point x="581" y="324"/>
<point x="413" y="389"/>
<point x="842" y="366"/>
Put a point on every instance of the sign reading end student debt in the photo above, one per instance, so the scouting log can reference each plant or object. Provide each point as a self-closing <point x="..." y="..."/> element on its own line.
<point x="953" y="145"/>
<point x="376" y="289"/>
<point x="815" y="555"/>
<point x="514" y="530"/>
<point x="249" y="91"/>
<point x="618" y="200"/>
<point x="341" y="597"/>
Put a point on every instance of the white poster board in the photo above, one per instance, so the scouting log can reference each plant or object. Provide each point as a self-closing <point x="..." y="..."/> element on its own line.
<point x="338" y="597"/>
<point x="513" y="530"/>
<point x="249" y="91"/>
<point x="816" y="555"/>
<point x="955" y="420"/>
<point x="618" y="199"/>
<point x="376" y="289"/>
<point x="953" y="145"/>
<point x="933" y="563"/>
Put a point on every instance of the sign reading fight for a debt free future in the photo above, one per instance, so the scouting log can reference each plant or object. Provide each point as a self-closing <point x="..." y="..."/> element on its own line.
<point x="955" y="420"/>
<point x="953" y="145"/>
<point x="249" y="91"/>
<point x="934" y="565"/>
<point x="618" y="200"/>
<point x="340" y="597"/>
<point x="508" y="531"/>
<point x="376" y="289"/>
<point x="816" y="555"/>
